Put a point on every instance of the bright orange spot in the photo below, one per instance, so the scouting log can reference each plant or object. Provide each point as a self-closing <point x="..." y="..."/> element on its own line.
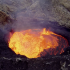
<point x="33" y="43"/>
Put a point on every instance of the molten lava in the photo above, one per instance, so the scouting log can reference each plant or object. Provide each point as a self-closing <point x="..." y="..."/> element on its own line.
<point x="35" y="43"/>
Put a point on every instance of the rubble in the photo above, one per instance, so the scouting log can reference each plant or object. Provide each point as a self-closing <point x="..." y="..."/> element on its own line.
<point x="52" y="63"/>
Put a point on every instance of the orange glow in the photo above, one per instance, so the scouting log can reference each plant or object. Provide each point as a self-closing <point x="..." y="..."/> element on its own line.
<point x="33" y="42"/>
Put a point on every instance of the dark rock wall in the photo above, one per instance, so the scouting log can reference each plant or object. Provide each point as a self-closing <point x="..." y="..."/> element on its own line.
<point x="54" y="63"/>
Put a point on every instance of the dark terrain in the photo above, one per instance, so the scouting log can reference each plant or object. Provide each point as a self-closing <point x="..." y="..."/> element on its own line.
<point x="10" y="61"/>
<point x="25" y="14"/>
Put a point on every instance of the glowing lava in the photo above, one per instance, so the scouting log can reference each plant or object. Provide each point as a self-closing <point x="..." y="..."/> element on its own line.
<point x="33" y="42"/>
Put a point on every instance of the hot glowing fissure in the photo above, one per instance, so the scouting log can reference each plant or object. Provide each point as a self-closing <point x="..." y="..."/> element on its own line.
<point x="33" y="42"/>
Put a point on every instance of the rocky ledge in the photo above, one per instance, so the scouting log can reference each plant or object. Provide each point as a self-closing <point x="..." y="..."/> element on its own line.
<point x="52" y="63"/>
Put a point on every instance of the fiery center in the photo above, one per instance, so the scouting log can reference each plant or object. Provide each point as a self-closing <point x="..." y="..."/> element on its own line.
<point x="32" y="43"/>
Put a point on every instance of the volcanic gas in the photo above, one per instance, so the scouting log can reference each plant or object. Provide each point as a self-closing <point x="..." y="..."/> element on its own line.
<point x="33" y="42"/>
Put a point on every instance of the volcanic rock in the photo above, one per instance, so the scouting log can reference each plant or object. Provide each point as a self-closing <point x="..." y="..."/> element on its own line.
<point x="4" y="18"/>
<point x="53" y="63"/>
<point x="50" y="10"/>
<point x="62" y="11"/>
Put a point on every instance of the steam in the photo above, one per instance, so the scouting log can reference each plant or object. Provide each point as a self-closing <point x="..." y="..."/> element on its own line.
<point x="27" y="15"/>
<point x="30" y="14"/>
<point x="29" y="18"/>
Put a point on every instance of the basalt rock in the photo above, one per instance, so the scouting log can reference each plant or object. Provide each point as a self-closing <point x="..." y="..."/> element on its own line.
<point x="53" y="63"/>
<point x="4" y="18"/>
